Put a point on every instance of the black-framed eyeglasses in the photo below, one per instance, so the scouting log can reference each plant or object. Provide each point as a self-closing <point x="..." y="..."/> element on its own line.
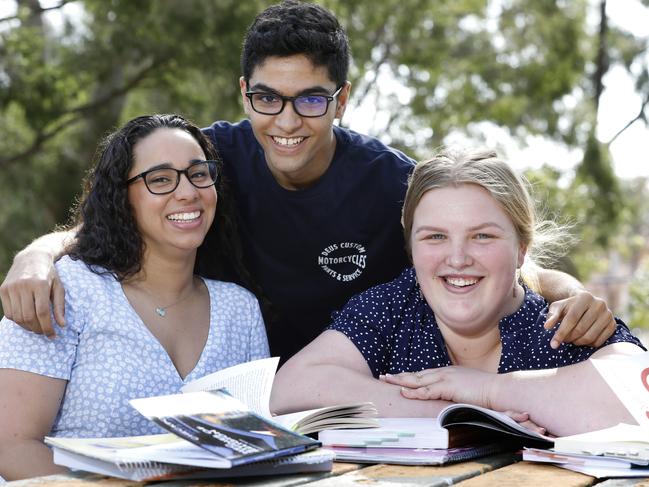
<point x="309" y="106"/>
<point x="165" y="180"/>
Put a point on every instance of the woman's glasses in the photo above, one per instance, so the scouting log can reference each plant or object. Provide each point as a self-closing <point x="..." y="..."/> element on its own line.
<point x="202" y="174"/>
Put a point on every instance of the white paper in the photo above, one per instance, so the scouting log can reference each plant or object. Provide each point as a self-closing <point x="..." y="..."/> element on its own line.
<point x="250" y="382"/>
<point x="628" y="377"/>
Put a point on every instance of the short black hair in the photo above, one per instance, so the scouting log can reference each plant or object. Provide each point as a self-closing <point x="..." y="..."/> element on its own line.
<point x="291" y="28"/>
<point x="108" y="239"/>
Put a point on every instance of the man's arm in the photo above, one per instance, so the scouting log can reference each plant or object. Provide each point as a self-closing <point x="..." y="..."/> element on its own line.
<point x="32" y="283"/>
<point x="565" y="400"/>
<point x="29" y="404"/>
<point x="585" y="319"/>
<point x="330" y="371"/>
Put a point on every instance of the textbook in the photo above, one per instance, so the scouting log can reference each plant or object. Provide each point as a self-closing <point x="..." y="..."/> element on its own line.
<point x="222" y="425"/>
<point x="456" y="425"/>
<point x="251" y="383"/>
<point x="599" y="466"/>
<point x="415" y="456"/>
<point x="623" y="440"/>
<point x="157" y="457"/>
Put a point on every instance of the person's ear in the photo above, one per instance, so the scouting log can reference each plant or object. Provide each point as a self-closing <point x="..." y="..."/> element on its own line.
<point x="522" y="252"/>
<point x="342" y="99"/>
<point x="243" y="86"/>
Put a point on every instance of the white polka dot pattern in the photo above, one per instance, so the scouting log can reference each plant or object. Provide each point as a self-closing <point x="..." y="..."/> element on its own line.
<point x="109" y="356"/>
<point x="395" y="330"/>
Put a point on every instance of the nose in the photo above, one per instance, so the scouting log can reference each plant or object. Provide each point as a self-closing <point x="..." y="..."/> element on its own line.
<point x="458" y="257"/>
<point x="288" y="120"/>
<point x="185" y="190"/>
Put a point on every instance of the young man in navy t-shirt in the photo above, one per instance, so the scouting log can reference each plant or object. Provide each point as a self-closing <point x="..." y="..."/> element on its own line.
<point x="319" y="205"/>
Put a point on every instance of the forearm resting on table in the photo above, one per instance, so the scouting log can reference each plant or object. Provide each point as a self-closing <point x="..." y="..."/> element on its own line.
<point x="300" y="388"/>
<point x="24" y="458"/>
<point x="566" y="400"/>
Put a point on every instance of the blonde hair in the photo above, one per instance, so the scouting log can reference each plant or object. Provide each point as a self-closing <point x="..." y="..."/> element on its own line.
<point x="545" y="240"/>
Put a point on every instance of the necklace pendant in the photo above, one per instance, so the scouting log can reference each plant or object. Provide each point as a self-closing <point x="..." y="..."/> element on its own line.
<point x="161" y="311"/>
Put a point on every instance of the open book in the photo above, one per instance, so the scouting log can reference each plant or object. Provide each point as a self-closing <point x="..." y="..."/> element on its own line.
<point x="165" y="457"/>
<point x="456" y="425"/>
<point x="251" y="383"/>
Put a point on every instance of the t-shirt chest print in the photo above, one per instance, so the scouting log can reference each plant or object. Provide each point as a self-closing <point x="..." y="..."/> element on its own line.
<point x="343" y="261"/>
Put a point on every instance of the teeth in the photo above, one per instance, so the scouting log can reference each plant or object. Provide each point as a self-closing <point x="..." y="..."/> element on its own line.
<point x="288" y="142"/>
<point x="183" y="217"/>
<point x="460" y="282"/>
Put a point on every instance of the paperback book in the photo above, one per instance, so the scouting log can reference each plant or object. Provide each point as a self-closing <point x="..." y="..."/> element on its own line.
<point x="415" y="456"/>
<point x="599" y="466"/>
<point x="251" y="383"/>
<point x="165" y="457"/>
<point x="222" y="425"/>
<point x="457" y="425"/>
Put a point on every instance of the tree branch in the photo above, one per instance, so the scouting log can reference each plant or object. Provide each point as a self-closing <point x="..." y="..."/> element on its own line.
<point x="76" y="114"/>
<point x="40" y="10"/>
<point x="640" y="116"/>
<point x="602" y="58"/>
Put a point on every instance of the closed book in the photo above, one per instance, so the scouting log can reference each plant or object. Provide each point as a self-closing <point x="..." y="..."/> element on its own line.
<point x="222" y="425"/>
<point x="156" y="457"/>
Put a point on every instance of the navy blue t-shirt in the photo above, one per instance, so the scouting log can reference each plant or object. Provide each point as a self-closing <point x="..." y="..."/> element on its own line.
<point x="311" y="250"/>
<point x="395" y="330"/>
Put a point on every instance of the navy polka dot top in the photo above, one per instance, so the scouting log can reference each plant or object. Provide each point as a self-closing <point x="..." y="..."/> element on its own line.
<point x="395" y="330"/>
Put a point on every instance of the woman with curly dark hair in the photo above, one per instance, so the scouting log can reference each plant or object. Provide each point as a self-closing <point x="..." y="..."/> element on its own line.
<point x="139" y="321"/>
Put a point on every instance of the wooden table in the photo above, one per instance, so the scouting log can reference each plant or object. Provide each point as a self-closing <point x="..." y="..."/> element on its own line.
<point x="498" y="470"/>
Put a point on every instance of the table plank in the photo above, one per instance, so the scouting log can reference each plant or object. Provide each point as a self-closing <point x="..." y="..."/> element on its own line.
<point x="625" y="483"/>
<point x="391" y="475"/>
<point x="531" y="474"/>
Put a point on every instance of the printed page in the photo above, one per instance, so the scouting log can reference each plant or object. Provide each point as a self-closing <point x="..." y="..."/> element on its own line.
<point x="628" y="377"/>
<point x="250" y="382"/>
<point x="469" y="414"/>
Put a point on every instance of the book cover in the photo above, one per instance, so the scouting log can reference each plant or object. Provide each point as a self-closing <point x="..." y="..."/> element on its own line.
<point x="222" y="425"/>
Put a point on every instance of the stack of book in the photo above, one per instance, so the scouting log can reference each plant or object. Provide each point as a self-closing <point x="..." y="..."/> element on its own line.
<point x="619" y="451"/>
<point x="460" y="432"/>
<point x="214" y="434"/>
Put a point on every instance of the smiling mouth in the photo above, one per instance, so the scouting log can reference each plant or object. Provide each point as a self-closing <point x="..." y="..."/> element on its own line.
<point x="287" y="141"/>
<point x="460" y="282"/>
<point x="184" y="217"/>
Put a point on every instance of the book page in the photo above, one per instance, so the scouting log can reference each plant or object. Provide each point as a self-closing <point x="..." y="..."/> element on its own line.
<point x="250" y="382"/>
<point x="468" y="414"/>
<point x="628" y="377"/>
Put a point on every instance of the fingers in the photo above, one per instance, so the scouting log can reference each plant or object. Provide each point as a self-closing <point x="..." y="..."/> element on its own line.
<point x="603" y="327"/>
<point x="555" y="311"/>
<point x="58" y="301"/>
<point x="411" y="380"/>
<point x="587" y="318"/>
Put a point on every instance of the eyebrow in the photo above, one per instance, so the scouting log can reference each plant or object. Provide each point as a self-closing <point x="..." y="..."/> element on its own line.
<point x="429" y="228"/>
<point x="169" y="165"/>
<point x="307" y="91"/>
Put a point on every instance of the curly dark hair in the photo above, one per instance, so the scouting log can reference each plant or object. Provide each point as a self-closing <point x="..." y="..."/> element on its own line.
<point x="293" y="27"/>
<point x="108" y="239"/>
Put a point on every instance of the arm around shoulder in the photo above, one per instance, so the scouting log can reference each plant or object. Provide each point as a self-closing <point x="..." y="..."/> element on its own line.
<point x="32" y="282"/>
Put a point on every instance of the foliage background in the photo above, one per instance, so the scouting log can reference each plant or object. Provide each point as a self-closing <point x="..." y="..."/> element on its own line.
<point x="71" y="70"/>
